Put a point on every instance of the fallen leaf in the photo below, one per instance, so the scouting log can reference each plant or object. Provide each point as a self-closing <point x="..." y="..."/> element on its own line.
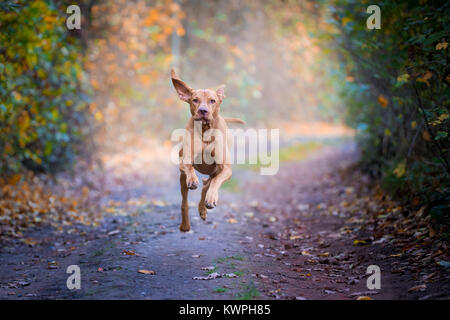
<point x="445" y="264"/>
<point x="249" y="214"/>
<point x="230" y="275"/>
<point x="253" y="204"/>
<point x="364" y="298"/>
<point x="129" y="252"/>
<point x="208" y="268"/>
<point x="363" y="293"/>
<point x="29" y="242"/>
<point x="232" y="220"/>
<point x="303" y="207"/>
<point x="159" y="203"/>
<point x="420" y="287"/>
<point x="359" y="242"/>
<point x="111" y="233"/>
<point x="396" y="255"/>
<point x="147" y="272"/>
<point x="211" y="276"/>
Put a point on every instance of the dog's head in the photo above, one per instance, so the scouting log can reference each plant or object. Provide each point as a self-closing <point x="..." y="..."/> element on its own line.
<point x="204" y="103"/>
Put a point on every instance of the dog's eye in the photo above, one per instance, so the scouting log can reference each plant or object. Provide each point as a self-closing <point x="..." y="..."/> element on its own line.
<point x="195" y="100"/>
<point x="212" y="101"/>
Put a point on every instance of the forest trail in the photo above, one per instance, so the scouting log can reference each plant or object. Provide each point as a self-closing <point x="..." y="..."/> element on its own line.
<point x="296" y="235"/>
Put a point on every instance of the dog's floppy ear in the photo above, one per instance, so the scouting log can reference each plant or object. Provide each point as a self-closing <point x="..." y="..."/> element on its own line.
<point x="183" y="90"/>
<point x="221" y="92"/>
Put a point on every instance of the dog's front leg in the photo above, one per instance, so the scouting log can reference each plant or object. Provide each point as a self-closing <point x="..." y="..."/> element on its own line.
<point x="185" y="225"/>
<point x="187" y="159"/>
<point x="191" y="177"/>
<point x="212" y="195"/>
<point x="201" y="205"/>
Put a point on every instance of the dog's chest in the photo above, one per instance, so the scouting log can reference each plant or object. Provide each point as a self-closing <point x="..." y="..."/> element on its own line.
<point x="204" y="161"/>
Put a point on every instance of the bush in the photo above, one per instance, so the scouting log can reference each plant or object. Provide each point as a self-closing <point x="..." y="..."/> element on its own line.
<point x="43" y="110"/>
<point x="395" y="84"/>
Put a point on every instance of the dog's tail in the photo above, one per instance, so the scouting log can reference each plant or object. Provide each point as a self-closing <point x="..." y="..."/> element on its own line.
<point x="234" y="120"/>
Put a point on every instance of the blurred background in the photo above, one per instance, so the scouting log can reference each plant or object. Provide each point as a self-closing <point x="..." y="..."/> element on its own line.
<point x="75" y="102"/>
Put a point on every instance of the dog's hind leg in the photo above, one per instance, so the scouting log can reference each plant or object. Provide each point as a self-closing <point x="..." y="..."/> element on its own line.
<point x="185" y="225"/>
<point x="201" y="205"/>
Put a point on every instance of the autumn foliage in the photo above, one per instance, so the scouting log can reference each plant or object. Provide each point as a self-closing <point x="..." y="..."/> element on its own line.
<point x="43" y="103"/>
<point x="394" y="83"/>
<point x="285" y="64"/>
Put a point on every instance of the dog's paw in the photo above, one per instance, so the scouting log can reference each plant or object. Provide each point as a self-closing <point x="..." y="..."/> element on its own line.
<point x="211" y="199"/>
<point x="192" y="182"/>
<point x="185" y="228"/>
<point x="202" y="211"/>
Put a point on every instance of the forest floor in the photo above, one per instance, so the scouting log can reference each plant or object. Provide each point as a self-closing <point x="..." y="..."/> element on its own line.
<point x="308" y="232"/>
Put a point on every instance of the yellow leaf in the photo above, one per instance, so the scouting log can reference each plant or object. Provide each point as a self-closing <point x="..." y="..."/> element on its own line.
<point x="400" y="169"/>
<point x="442" y="45"/>
<point x="180" y="31"/>
<point x="427" y="76"/>
<point x="232" y="220"/>
<point x="364" y="298"/>
<point x="98" y="116"/>
<point x="403" y="77"/>
<point x="152" y="17"/>
<point x="387" y="132"/>
<point x="383" y="101"/>
<point x="158" y="203"/>
<point x="426" y="136"/>
<point x="359" y="242"/>
<point x="147" y="272"/>
<point x="395" y="255"/>
<point x="345" y="20"/>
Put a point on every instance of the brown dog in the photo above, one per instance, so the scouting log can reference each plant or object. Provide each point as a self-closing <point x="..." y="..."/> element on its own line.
<point x="205" y="111"/>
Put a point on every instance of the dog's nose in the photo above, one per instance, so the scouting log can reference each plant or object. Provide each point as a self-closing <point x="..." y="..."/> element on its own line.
<point x="203" y="110"/>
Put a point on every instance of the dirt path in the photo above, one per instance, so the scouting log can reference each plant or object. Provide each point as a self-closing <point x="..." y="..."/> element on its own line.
<point x="281" y="237"/>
